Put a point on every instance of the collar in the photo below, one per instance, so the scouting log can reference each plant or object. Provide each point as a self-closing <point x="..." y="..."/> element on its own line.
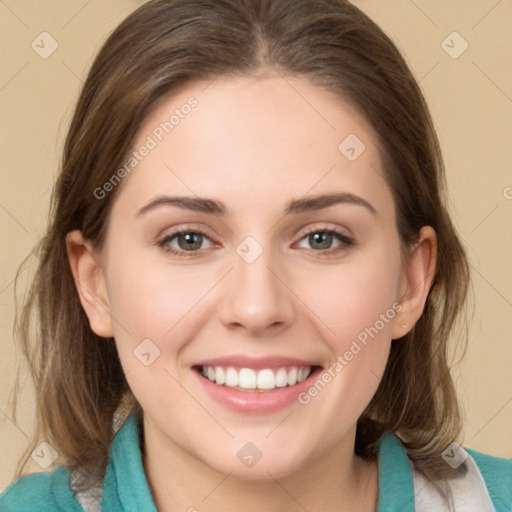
<point x="125" y="487"/>
<point x="396" y="486"/>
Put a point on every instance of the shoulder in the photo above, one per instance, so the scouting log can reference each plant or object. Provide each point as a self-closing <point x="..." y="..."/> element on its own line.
<point x="485" y="485"/>
<point x="497" y="475"/>
<point x="49" y="492"/>
<point x="491" y="464"/>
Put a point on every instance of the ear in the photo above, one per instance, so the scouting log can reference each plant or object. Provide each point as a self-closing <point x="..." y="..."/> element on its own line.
<point x="90" y="282"/>
<point x="416" y="282"/>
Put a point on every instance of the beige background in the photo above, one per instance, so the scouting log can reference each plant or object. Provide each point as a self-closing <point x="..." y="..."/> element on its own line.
<point x="471" y="102"/>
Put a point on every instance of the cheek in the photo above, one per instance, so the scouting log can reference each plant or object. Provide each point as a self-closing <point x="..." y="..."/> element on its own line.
<point x="352" y="298"/>
<point x="156" y="310"/>
<point x="149" y="298"/>
<point x="152" y="309"/>
<point x="355" y="304"/>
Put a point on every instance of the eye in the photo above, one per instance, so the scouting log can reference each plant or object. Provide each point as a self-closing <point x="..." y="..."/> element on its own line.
<point x="188" y="242"/>
<point x="184" y="241"/>
<point x="326" y="240"/>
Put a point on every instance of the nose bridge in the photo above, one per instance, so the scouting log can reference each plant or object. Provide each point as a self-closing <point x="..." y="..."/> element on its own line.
<point x="255" y="298"/>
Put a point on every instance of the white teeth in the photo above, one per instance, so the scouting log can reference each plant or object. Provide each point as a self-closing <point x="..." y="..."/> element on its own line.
<point x="292" y="377"/>
<point x="266" y="379"/>
<point x="302" y="375"/>
<point x="220" y="376"/>
<point x="231" y="378"/>
<point x="247" y="378"/>
<point x="281" y="378"/>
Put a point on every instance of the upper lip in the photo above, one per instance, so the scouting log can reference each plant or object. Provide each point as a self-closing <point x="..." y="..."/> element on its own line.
<point x="242" y="361"/>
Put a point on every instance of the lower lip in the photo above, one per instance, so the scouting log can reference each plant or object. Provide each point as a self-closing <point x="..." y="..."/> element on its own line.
<point x="256" y="402"/>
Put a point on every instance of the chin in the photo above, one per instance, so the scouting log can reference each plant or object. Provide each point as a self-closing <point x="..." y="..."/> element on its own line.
<point x="258" y="460"/>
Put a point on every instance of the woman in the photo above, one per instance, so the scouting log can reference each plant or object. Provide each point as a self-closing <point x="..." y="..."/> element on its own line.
<point x="250" y="277"/>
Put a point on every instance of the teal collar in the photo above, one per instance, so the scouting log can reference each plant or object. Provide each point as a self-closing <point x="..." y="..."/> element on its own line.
<point x="126" y="487"/>
<point x="396" y="487"/>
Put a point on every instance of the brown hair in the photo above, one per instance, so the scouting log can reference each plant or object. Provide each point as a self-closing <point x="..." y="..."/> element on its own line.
<point x="162" y="47"/>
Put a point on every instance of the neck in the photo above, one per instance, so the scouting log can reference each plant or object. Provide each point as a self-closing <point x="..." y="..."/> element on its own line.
<point x="336" y="480"/>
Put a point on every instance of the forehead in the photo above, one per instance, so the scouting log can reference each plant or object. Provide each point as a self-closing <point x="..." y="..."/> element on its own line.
<point x="255" y="141"/>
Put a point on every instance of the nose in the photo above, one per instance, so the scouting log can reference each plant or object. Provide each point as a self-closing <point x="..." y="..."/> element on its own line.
<point x="256" y="297"/>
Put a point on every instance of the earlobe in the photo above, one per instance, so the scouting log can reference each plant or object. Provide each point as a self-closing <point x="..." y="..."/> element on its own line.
<point x="417" y="281"/>
<point x="90" y="283"/>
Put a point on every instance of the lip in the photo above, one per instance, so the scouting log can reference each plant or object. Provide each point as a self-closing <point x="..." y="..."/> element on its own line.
<point x="255" y="402"/>
<point x="256" y="363"/>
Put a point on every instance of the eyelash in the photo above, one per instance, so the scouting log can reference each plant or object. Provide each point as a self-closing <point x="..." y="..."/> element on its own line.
<point x="345" y="241"/>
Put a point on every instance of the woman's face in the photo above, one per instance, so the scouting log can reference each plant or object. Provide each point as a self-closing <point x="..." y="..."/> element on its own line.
<point x="283" y="285"/>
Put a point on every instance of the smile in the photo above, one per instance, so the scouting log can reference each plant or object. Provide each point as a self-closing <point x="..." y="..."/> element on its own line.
<point x="255" y="380"/>
<point x="255" y="385"/>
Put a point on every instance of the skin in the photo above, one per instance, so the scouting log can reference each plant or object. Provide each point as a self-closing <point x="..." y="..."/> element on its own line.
<point x="255" y="145"/>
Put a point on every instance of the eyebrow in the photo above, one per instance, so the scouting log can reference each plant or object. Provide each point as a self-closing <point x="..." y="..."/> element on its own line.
<point x="205" y="205"/>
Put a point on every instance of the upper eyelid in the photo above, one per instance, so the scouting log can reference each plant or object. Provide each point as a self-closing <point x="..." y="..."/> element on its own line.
<point x="184" y="228"/>
<point x="302" y="232"/>
<point x="324" y="227"/>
